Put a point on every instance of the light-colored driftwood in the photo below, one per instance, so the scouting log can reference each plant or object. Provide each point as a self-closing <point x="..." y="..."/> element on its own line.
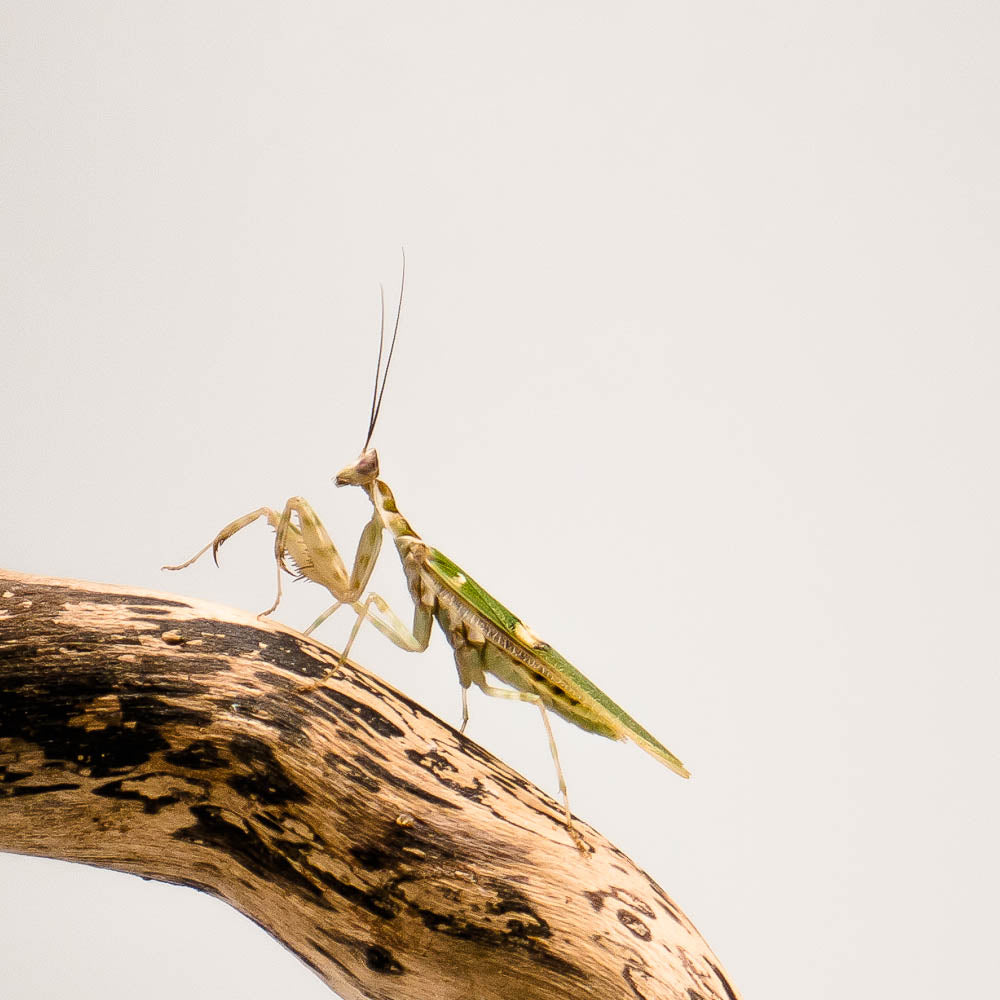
<point x="175" y="739"/>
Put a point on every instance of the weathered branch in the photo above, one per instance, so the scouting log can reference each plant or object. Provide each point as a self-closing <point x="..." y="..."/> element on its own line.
<point x="177" y="740"/>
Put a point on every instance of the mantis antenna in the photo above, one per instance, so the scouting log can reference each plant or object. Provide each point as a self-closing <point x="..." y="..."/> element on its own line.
<point x="377" y="393"/>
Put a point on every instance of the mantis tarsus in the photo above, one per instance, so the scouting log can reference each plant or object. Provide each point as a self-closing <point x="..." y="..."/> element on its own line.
<point x="485" y="636"/>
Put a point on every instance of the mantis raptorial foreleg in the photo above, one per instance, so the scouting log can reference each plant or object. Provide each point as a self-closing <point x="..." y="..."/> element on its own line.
<point x="306" y="544"/>
<point x="227" y="532"/>
<point x="308" y="547"/>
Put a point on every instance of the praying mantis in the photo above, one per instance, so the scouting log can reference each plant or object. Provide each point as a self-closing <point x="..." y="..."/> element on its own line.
<point x="486" y="637"/>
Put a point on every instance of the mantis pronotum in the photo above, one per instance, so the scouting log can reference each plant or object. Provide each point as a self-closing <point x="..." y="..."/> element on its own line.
<point x="485" y="636"/>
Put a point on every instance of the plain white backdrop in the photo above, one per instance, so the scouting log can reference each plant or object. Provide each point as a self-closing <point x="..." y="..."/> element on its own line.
<point x="698" y="373"/>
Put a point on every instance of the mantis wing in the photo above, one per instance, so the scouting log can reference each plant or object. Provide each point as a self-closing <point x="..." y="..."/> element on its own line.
<point x="559" y="676"/>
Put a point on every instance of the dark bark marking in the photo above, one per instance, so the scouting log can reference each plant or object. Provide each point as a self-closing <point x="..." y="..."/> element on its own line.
<point x="395" y="781"/>
<point x="297" y="850"/>
<point x="432" y="761"/>
<point x="330" y="957"/>
<point x="524" y="931"/>
<point x="107" y="751"/>
<point x="198" y="755"/>
<point x="630" y="972"/>
<point x="128" y="599"/>
<point x="730" y="992"/>
<point x="634" y="924"/>
<point x="267" y="781"/>
<point x="320" y="949"/>
<point x="525" y="936"/>
<point x="667" y="903"/>
<point x="369" y="716"/>
<point x="272" y="824"/>
<point x="512" y="900"/>
<point x="228" y="639"/>
<point x="437" y="765"/>
<point x="20" y="790"/>
<point x="379" y="960"/>
<point x="379" y="903"/>
<point x="8" y="776"/>
<point x="352" y="772"/>
<point x="69" y="595"/>
<point x="371" y="858"/>
<point x="244" y="846"/>
<point x="597" y="898"/>
<point x="632" y="901"/>
<point x="150" y="805"/>
<point x="500" y="773"/>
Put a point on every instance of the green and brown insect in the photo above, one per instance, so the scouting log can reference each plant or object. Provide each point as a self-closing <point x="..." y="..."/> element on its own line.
<point x="487" y="638"/>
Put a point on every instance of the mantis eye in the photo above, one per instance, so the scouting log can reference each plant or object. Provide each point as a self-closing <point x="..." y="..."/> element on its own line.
<point x="362" y="472"/>
<point x="368" y="464"/>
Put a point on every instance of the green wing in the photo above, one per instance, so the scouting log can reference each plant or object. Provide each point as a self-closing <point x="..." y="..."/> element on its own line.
<point x="617" y="720"/>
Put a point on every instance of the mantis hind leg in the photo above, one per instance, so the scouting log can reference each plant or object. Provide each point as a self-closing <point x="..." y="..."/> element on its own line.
<point x="531" y="699"/>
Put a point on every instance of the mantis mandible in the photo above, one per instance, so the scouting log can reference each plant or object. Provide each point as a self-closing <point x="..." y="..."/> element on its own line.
<point x="487" y="639"/>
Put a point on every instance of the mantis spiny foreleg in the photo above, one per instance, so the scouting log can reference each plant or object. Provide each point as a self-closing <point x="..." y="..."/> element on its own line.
<point x="227" y="532"/>
<point x="308" y="547"/>
<point x="301" y="539"/>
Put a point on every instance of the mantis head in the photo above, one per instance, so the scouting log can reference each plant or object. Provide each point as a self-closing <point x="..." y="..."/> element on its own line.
<point x="364" y="471"/>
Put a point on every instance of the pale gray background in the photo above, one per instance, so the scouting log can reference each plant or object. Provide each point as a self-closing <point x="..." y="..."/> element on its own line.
<point x="698" y="372"/>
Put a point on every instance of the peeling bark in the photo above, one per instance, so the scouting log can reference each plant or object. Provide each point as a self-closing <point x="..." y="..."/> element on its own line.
<point x="176" y="739"/>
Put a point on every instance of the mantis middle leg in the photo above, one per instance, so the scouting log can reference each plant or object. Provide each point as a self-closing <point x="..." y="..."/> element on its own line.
<point x="414" y="639"/>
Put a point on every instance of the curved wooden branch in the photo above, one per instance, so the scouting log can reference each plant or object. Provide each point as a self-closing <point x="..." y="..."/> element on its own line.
<point x="177" y="740"/>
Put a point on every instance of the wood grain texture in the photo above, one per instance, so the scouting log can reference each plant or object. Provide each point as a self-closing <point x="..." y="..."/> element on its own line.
<point x="175" y="739"/>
